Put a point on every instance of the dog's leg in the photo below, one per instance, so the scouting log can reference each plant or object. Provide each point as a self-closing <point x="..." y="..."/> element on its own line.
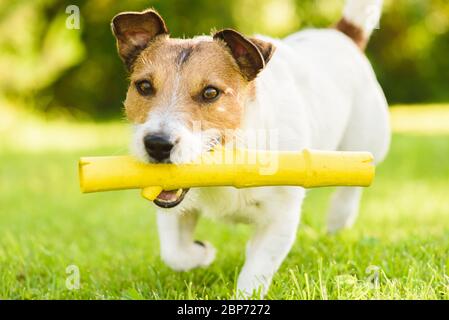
<point x="367" y="130"/>
<point x="344" y="208"/>
<point x="267" y="249"/>
<point x="178" y="248"/>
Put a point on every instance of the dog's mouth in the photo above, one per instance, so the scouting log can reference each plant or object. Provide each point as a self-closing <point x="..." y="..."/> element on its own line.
<point x="171" y="198"/>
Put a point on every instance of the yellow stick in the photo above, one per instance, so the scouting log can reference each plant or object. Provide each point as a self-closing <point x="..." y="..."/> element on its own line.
<point x="241" y="169"/>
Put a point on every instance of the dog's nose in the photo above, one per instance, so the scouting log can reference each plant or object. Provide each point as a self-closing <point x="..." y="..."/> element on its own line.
<point x="158" y="147"/>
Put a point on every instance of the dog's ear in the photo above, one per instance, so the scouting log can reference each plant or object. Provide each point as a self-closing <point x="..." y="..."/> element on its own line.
<point x="134" y="30"/>
<point x="251" y="54"/>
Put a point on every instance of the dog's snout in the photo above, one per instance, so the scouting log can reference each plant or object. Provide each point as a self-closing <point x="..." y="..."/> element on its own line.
<point x="158" y="147"/>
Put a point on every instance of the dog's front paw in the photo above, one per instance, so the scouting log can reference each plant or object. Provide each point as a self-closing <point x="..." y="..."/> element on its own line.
<point x="198" y="254"/>
<point x="206" y="253"/>
<point x="251" y="287"/>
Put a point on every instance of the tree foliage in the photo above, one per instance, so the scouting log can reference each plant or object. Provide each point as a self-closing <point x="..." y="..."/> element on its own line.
<point x="51" y="67"/>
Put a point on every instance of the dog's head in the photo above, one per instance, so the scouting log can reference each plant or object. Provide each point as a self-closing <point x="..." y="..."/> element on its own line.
<point x="184" y="94"/>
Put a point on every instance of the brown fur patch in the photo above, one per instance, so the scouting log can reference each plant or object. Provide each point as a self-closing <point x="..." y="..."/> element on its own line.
<point x="184" y="55"/>
<point x="353" y="32"/>
<point x="179" y="71"/>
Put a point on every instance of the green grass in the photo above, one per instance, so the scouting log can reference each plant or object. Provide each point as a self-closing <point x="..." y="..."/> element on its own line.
<point x="402" y="234"/>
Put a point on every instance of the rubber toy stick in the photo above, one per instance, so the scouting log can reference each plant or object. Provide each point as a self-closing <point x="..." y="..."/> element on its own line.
<point x="239" y="168"/>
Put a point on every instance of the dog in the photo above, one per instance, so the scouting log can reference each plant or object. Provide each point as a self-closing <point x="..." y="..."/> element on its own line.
<point x="316" y="89"/>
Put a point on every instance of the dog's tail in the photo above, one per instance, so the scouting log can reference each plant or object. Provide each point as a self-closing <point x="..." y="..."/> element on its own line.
<point x="360" y="18"/>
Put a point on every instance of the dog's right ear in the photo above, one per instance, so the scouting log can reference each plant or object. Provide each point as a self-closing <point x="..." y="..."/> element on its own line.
<point x="134" y="30"/>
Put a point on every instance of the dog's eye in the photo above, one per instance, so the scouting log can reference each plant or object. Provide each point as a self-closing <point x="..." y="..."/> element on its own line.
<point x="210" y="94"/>
<point x="144" y="87"/>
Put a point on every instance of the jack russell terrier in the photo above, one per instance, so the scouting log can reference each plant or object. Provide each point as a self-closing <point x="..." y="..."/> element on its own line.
<point x="316" y="89"/>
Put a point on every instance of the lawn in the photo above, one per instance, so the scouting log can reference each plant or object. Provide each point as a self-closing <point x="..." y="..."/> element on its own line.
<point x="398" y="249"/>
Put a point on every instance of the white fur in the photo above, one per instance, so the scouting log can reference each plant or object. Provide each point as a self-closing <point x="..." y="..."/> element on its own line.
<point x="318" y="91"/>
<point x="364" y="13"/>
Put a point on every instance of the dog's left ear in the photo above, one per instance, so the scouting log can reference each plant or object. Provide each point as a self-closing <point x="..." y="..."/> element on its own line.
<point x="134" y="31"/>
<point x="251" y="54"/>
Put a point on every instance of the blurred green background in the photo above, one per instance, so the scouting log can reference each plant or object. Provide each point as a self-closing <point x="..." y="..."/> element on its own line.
<point x="52" y="69"/>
